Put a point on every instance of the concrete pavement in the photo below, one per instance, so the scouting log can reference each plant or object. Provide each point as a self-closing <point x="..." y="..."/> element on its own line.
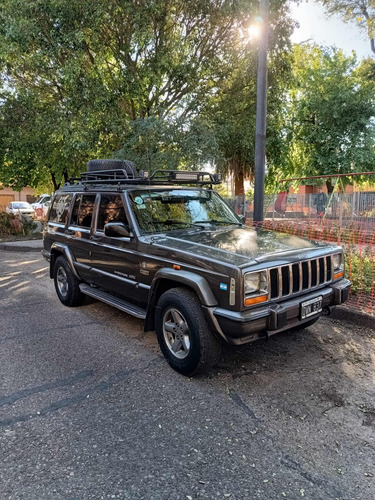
<point x="22" y="246"/>
<point x="89" y="409"/>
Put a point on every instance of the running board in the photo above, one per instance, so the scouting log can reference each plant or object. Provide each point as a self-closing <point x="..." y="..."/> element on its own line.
<point x="121" y="304"/>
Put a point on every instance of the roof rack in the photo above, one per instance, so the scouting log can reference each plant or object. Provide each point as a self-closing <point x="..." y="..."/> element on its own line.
<point x="159" y="177"/>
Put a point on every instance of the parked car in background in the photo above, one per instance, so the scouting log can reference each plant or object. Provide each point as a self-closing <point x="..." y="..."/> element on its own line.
<point x="21" y="207"/>
<point x="41" y="205"/>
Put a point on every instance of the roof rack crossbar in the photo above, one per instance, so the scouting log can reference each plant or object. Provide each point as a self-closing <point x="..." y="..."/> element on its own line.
<point x="160" y="177"/>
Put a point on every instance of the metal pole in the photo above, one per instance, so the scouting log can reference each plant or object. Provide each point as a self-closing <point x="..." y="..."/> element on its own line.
<point x="260" y="134"/>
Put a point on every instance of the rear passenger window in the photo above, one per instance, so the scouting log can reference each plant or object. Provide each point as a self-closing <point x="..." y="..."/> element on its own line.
<point x="83" y="210"/>
<point x="111" y="210"/>
<point x="60" y="208"/>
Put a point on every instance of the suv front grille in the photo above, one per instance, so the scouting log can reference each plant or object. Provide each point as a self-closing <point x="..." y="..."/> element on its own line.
<point x="294" y="278"/>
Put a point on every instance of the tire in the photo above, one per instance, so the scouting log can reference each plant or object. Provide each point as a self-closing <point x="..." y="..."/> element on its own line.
<point x="127" y="165"/>
<point x="187" y="343"/>
<point x="66" y="284"/>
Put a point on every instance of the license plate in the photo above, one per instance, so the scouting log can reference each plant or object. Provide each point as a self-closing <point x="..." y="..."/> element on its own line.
<point x="311" y="307"/>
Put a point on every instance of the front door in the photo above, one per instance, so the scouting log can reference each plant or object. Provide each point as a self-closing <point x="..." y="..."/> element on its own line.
<point x="114" y="260"/>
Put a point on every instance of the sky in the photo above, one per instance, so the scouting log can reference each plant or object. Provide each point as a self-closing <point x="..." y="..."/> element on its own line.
<point x="318" y="27"/>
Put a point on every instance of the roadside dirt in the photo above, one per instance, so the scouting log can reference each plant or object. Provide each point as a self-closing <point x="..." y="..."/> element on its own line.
<point x="313" y="393"/>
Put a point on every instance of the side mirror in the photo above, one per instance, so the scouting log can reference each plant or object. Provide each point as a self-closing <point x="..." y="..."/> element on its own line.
<point x="117" y="230"/>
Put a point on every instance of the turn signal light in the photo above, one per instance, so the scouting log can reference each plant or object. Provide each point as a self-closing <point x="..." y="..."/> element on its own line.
<point x="336" y="276"/>
<point x="175" y="266"/>
<point x="256" y="300"/>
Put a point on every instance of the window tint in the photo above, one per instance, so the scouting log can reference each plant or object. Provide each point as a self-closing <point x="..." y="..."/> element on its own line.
<point x="111" y="210"/>
<point x="60" y="207"/>
<point x="83" y="210"/>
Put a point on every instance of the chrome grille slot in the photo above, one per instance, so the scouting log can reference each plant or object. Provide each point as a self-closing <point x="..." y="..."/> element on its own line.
<point x="285" y="278"/>
<point x="322" y="270"/>
<point x="314" y="273"/>
<point x="305" y="275"/>
<point x="293" y="278"/>
<point x="296" y="277"/>
<point x="329" y="268"/>
<point x="274" y="277"/>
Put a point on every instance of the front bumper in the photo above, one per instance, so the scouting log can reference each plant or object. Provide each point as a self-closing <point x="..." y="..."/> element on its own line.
<point x="242" y="327"/>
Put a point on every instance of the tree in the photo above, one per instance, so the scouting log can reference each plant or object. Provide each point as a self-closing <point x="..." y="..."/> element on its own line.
<point x="232" y="108"/>
<point x="360" y="11"/>
<point x="78" y="76"/>
<point x="329" y="115"/>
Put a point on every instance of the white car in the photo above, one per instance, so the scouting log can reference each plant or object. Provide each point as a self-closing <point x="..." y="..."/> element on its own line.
<point x="20" y="207"/>
<point x="42" y="204"/>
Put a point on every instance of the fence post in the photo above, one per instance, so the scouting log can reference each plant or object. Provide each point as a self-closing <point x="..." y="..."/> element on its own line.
<point x="353" y="206"/>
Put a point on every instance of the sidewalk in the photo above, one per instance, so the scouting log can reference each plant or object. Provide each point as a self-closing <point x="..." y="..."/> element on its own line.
<point x="22" y="246"/>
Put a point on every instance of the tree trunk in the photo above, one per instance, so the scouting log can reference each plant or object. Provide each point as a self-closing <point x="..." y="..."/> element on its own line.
<point x="238" y="183"/>
<point x="56" y="185"/>
<point x="329" y="186"/>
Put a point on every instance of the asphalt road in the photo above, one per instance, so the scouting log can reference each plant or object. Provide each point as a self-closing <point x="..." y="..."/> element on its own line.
<point x="89" y="409"/>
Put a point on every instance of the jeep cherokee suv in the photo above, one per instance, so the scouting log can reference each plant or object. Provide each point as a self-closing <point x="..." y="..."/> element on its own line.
<point x="166" y="248"/>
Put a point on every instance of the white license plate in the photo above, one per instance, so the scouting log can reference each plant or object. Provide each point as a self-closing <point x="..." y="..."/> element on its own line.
<point x="311" y="307"/>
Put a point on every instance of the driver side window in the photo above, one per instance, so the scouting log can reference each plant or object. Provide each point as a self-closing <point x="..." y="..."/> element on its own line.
<point x="111" y="209"/>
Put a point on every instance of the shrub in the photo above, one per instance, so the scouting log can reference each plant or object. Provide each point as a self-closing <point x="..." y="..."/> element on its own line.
<point x="360" y="269"/>
<point x="13" y="225"/>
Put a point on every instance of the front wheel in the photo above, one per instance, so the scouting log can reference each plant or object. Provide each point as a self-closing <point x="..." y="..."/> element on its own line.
<point x="185" y="340"/>
<point x="66" y="284"/>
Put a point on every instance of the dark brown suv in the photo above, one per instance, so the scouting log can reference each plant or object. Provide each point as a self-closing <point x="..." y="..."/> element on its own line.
<point x="168" y="249"/>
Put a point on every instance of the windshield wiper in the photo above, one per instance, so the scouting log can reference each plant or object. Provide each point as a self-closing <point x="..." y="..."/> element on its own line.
<point x="172" y="222"/>
<point x="213" y="221"/>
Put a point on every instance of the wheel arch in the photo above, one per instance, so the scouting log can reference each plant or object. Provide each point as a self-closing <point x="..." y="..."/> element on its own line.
<point x="167" y="278"/>
<point x="58" y="249"/>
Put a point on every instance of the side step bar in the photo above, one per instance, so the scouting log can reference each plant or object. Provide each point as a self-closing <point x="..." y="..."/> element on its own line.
<point x="121" y="304"/>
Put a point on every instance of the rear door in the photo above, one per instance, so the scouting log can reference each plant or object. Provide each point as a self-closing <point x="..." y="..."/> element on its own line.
<point x="78" y="232"/>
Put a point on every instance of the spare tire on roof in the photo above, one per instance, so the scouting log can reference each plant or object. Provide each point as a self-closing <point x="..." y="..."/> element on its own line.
<point x="127" y="165"/>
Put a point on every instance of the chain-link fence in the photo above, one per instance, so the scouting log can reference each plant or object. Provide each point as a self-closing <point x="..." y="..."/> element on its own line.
<point x="344" y="219"/>
<point x="352" y="207"/>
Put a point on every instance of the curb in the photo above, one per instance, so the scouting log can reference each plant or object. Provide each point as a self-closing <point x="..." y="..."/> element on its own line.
<point x="353" y="316"/>
<point x="11" y="247"/>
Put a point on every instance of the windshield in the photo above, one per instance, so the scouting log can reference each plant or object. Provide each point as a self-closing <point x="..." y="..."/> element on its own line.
<point x="43" y="199"/>
<point x="165" y="210"/>
<point x="20" y="205"/>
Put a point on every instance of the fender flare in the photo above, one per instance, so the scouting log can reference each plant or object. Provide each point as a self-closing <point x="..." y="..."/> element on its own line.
<point x="64" y="249"/>
<point x="197" y="283"/>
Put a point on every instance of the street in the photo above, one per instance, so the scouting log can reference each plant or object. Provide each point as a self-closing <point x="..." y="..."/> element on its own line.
<point x="89" y="409"/>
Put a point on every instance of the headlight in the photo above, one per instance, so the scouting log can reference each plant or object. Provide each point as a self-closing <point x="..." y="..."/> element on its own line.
<point x="338" y="266"/>
<point x="256" y="283"/>
<point x="338" y="261"/>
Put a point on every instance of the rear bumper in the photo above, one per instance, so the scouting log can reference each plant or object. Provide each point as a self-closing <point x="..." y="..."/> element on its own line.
<point x="242" y="327"/>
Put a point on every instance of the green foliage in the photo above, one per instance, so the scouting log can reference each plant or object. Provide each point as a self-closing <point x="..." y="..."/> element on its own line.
<point x="79" y="76"/>
<point x="361" y="12"/>
<point x="329" y="115"/>
<point x="157" y="143"/>
<point x="232" y="109"/>
<point x="6" y="227"/>
<point x="12" y="225"/>
<point x="28" y="225"/>
<point x="360" y="269"/>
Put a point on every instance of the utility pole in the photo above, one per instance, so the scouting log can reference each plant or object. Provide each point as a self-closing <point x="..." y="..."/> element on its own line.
<point x="261" y="116"/>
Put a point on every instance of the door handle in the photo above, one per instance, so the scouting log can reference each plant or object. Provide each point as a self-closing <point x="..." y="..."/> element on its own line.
<point x="96" y="238"/>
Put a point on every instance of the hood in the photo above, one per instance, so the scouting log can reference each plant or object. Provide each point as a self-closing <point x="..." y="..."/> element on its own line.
<point x="237" y="246"/>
